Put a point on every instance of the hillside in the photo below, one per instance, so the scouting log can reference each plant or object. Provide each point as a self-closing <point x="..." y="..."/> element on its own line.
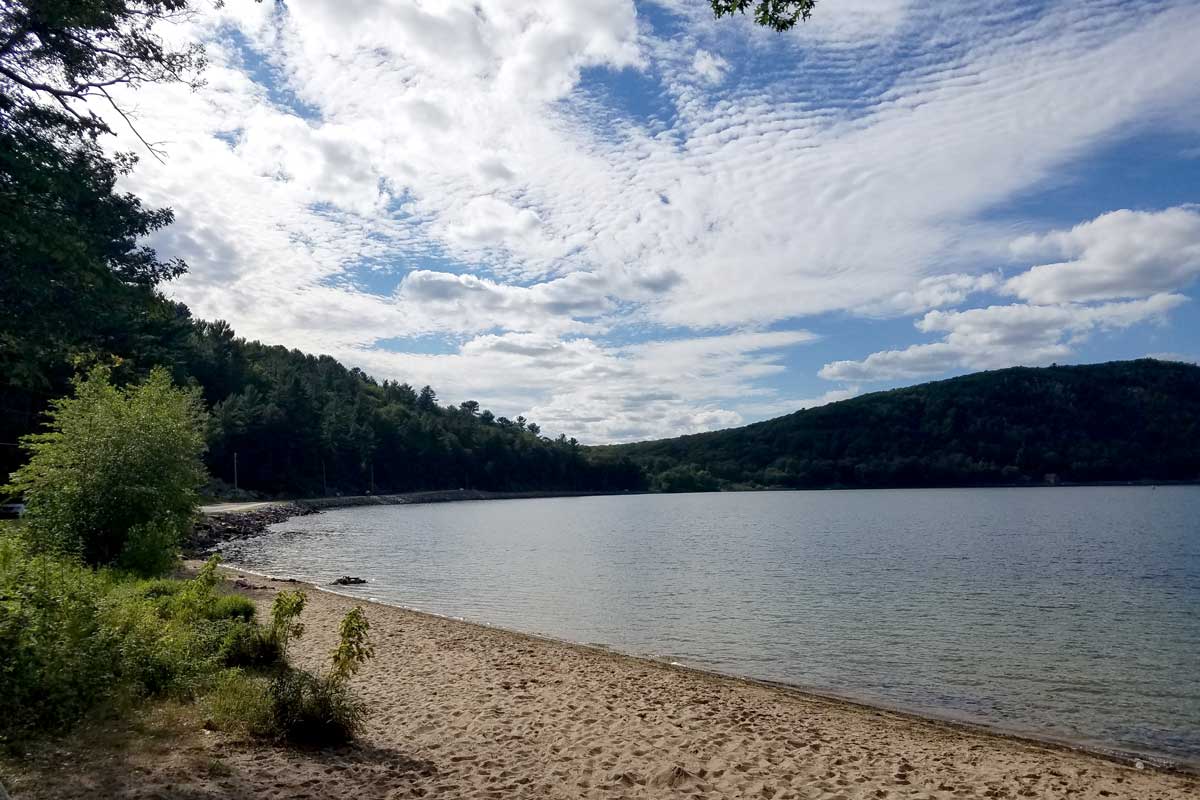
<point x="1121" y="421"/>
<point x="299" y="424"/>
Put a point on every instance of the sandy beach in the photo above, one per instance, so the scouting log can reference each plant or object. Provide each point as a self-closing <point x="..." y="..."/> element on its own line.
<point x="460" y="710"/>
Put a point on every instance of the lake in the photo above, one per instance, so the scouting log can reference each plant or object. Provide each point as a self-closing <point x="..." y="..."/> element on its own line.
<point x="1067" y="612"/>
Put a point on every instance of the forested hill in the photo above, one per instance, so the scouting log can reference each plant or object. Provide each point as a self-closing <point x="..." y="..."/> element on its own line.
<point x="1121" y="421"/>
<point x="300" y="424"/>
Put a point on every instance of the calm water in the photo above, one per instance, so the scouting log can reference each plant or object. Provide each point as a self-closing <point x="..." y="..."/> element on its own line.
<point x="1071" y="612"/>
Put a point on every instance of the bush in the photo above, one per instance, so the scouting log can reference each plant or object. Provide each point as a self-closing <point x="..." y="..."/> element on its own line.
<point x="240" y="703"/>
<point x="247" y="645"/>
<point x="151" y="548"/>
<point x="232" y="606"/>
<point x="314" y="710"/>
<point x="160" y="587"/>
<point x="285" y="613"/>
<point x="320" y="709"/>
<point x="57" y="660"/>
<point x="115" y="477"/>
<point x="72" y="638"/>
<point x="158" y="657"/>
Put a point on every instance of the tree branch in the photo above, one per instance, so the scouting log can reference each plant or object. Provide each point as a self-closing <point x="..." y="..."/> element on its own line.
<point x="155" y="151"/>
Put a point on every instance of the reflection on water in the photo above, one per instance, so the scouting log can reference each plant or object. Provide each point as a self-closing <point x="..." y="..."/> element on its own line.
<point x="1064" y="612"/>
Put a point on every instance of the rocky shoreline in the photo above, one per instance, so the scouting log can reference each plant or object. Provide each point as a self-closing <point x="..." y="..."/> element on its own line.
<point x="212" y="530"/>
<point x="216" y="527"/>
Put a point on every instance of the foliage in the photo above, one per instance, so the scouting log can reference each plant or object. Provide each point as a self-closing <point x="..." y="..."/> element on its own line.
<point x="1122" y="421"/>
<point x="74" y="274"/>
<point x="69" y="52"/>
<point x="321" y="709"/>
<point x="115" y="478"/>
<point x="354" y="649"/>
<point x="249" y="645"/>
<point x="58" y="659"/>
<point x="285" y="614"/>
<point x="780" y="15"/>
<point x="312" y="710"/>
<point x="240" y="702"/>
<point x="685" y="478"/>
<point x="74" y="638"/>
<point x="293" y="704"/>
<point x="306" y="425"/>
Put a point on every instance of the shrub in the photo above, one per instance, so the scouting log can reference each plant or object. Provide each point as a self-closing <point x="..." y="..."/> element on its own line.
<point x="285" y="613"/>
<point x="314" y="710"/>
<point x="156" y="656"/>
<point x="320" y="709"/>
<point x="115" y="477"/>
<point x="150" y="548"/>
<point x="354" y="648"/>
<point x="72" y="638"/>
<point x="56" y="660"/>
<point x="232" y="606"/>
<point x="248" y="645"/>
<point x="241" y="703"/>
<point x="160" y="587"/>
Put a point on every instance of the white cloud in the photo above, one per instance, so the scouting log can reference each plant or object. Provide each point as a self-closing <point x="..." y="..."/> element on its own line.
<point x="1119" y="254"/>
<point x="458" y="303"/>
<point x="602" y="394"/>
<point x="827" y="173"/>
<point x="935" y="291"/>
<point x="709" y="66"/>
<point x="1000" y="336"/>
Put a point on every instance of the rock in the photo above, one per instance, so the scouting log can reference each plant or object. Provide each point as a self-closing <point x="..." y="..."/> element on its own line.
<point x="211" y="530"/>
<point x="347" y="580"/>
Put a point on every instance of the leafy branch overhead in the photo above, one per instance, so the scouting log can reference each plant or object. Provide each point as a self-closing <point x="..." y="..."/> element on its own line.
<point x="67" y="54"/>
<point x="780" y="15"/>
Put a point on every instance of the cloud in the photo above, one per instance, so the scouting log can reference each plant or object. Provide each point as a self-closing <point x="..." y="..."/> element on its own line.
<point x="935" y="291"/>
<point x="452" y="302"/>
<point x="576" y="385"/>
<point x="1000" y="336"/>
<point x="709" y="66"/>
<point x="1117" y="255"/>
<point x="569" y="173"/>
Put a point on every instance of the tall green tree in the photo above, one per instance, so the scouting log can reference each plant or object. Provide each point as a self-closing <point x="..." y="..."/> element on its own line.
<point x="115" y="478"/>
<point x="74" y="273"/>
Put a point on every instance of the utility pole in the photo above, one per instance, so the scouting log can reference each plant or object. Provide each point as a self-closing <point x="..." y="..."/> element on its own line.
<point x="235" y="482"/>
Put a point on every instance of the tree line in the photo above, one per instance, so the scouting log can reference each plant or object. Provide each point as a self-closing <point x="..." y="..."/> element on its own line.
<point x="1121" y="421"/>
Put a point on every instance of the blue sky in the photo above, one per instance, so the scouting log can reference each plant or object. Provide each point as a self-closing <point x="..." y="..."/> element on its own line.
<point x="630" y="220"/>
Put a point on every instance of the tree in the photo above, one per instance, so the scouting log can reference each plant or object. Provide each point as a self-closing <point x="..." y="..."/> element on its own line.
<point x="780" y="15"/>
<point x="470" y="406"/>
<point x="73" y="273"/>
<point x="115" y="477"/>
<point x="427" y="400"/>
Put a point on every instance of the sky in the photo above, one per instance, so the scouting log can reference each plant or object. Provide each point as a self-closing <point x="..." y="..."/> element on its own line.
<point x="630" y="220"/>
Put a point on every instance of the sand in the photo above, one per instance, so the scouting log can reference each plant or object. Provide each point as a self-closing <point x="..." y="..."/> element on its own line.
<point x="465" y="711"/>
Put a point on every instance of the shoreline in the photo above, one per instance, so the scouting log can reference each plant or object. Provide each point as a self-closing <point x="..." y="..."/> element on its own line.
<point x="221" y="522"/>
<point x="491" y="712"/>
<point x="1164" y="763"/>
